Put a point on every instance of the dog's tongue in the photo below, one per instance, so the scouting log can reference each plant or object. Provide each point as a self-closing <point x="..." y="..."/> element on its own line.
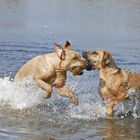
<point x="77" y="71"/>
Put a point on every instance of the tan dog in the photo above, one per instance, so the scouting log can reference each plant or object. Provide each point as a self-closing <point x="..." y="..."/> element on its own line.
<point x="50" y="70"/>
<point x="114" y="82"/>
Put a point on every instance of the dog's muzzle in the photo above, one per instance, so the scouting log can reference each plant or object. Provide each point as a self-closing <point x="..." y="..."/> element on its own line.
<point x="84" y="54"/>
<point x="81" y="73"/>
<point x="89" y="66"/>
<point x="77" y="70"/>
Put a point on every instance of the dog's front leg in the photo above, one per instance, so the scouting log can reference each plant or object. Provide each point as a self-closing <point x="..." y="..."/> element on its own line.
<point x="110" y="107"/>
<point x="119" y="98"/>
<point x="101" y="96"/>
<point x="113" y="101"/>
<point x="67" y="92"/>
<point x="45" y="87"/>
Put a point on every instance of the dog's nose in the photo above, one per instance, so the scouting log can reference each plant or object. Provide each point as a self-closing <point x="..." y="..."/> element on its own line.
<point x="89" y="66"/>
<point x="84" y="54"/>
<point x="81" y="73"/>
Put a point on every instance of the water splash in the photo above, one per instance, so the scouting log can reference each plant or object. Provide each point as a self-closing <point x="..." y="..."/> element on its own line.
<point x="19" y="95"/>
<point x="26" y="94"/>
<point x="130" y="106"/>
<point x="88" y="111"/>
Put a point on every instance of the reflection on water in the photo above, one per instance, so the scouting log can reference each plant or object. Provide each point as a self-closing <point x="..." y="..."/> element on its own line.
<point x="29" y="28"/>
<point x="118" y="129"/>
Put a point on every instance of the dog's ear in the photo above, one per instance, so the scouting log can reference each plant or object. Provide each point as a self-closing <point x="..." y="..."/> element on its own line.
<point x="59" y="51"/>
<point x="106" y="59"/>
<point x="68" y="45"/>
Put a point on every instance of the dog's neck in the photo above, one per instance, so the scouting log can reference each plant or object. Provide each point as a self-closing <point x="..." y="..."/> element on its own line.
<point x="108" y="70"/>
<point x="59" y="67"/>
<point x="54" y="61"/>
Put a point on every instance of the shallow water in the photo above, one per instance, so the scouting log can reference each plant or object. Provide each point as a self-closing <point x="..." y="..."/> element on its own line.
<point x="29" y="28"/>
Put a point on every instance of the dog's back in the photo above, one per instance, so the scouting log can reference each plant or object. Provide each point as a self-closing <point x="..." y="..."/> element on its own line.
<point x="37" y="66"/>
<point x="27" y="69"/>
<point x="134" y="80"/>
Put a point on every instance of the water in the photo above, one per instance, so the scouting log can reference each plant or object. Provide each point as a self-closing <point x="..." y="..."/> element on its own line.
<point x="29" y="28"/>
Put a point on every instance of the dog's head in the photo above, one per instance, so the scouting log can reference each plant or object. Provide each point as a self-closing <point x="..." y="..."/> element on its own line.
<point x="70" y="60"/>
<point x="97" y="59"/>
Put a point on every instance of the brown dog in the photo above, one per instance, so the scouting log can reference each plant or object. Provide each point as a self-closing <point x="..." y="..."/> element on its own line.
<point x="50" y="70"/>
<point x="114" y="81"/>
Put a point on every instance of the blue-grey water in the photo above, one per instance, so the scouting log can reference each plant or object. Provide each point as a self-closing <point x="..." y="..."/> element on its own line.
<point x="29" y="28"/>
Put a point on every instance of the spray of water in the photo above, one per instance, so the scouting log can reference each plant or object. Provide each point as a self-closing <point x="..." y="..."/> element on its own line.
<point x="19" y="95"/>
<point x="26" y="94"/>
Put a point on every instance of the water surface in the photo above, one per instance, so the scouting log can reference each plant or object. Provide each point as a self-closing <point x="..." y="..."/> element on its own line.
<point x="29" y="28"/>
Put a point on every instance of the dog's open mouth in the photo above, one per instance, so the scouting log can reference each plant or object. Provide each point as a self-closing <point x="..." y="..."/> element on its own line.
<point x="89" y="66"/>
<point x="77" y="70"/>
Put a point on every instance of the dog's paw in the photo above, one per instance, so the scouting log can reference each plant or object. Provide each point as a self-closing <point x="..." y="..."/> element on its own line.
<point x="109" y="116"/>
<point x="47" y="96"/>
<point x="75" y="100"/>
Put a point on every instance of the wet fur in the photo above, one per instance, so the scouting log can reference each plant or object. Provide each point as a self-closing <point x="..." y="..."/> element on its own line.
<point x="50" y="70"/>
<point x="114" y="82"/>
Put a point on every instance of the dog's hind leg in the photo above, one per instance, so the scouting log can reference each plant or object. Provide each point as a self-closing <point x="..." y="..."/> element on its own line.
<point x="45" y="87"/>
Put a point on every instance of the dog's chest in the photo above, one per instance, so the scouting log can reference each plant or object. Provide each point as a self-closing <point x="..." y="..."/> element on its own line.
<point x="107" y="88"/>
<point x="49" y="78"/>
<point x="60" y="78"/>
<point x="102" y="83"/>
